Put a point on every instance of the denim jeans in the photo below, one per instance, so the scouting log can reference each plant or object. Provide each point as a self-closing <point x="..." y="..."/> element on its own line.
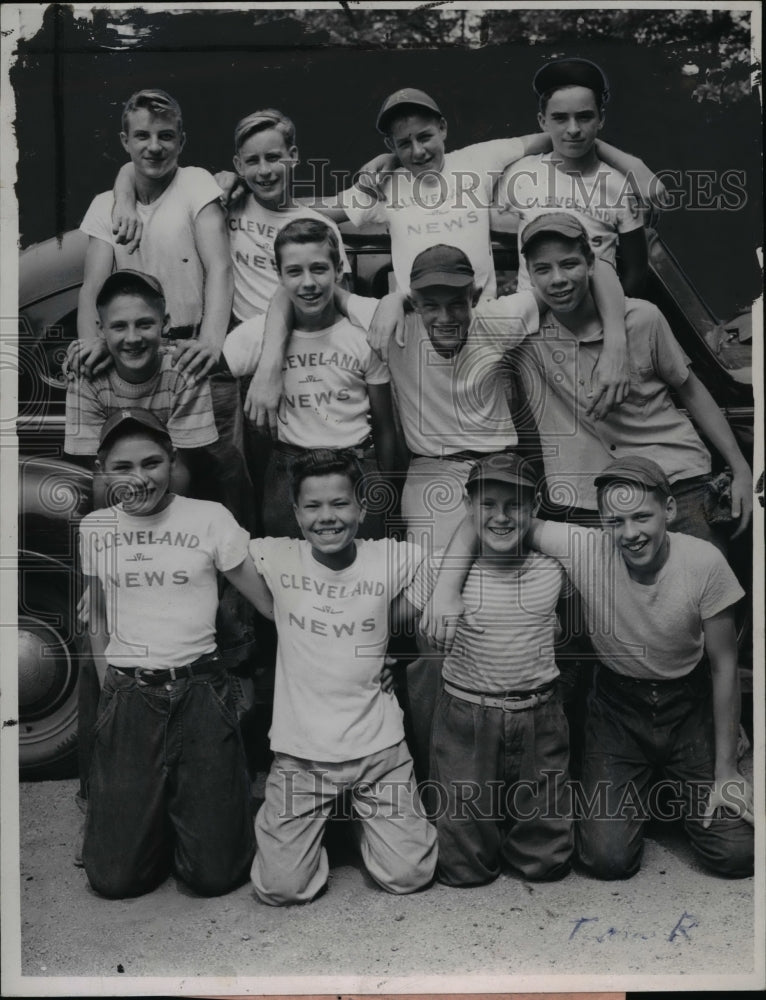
<point x="169" y="789"/>
<point x="502" y="783"/>
<point x="690" y="496"/>
<point x="228" y="480"/>
<point x="634" y="729"/>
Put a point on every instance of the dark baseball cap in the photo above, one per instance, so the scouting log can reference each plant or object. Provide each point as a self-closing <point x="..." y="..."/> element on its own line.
<point x="407" y="95"/>
<point x="127" y="280"/>
<point x="504" y="467"/>
<point x="441" y="265"/>
<point x="555" y="223"/>
<point x="136" y="415"/>
<point x="635" y="469"/>
<point x="572" y="72"/>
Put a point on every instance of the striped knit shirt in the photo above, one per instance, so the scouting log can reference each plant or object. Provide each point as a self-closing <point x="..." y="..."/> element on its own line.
<point x="186" y="409"/>
<point x="517" y="612"/>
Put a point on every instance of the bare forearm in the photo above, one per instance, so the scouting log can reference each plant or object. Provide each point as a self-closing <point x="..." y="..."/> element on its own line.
<point x="705" y="413"/>
<point x="219" y="290"/>
<point x="726" y="713"/>
<point x="610" y="302"/>
<point x="276" y="333"/>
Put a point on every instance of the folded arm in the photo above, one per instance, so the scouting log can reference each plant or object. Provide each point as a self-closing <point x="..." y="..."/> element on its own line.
<point x="252" y="586"/>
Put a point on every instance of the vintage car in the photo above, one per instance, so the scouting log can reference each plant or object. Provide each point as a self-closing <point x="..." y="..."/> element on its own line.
<point x="55" y="492"/>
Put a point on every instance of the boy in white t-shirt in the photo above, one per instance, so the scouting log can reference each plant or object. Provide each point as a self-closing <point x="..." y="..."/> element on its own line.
<point x="168" y="782"/>
<point x="336" y="390"/>
<point x="576" y="177"/>
<point x="335" y="729"/>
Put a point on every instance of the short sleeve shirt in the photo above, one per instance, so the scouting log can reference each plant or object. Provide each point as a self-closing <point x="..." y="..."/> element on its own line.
<point x="159" y="575"/>
<point x="603" y="202"/>
<point x="453" y="404"/>
<point x="504" y="642"/>
<point x="168" y="249"/>
<point x="325" y="402"/>
<point x="332" y="629"/>
<point x="649" y="631"/>
<point x="252" y="231"/>
<point x="450" y="207"/>
<point x="184" y="407"/>
<point x="557" y="368"/>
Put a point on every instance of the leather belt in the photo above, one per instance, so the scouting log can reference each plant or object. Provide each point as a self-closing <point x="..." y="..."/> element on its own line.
<point x="511" y="702"/>
<point x="208" y="664"/>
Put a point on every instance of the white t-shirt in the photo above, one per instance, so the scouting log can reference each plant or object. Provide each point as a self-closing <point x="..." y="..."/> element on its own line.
<point x="159" y="578"/>
<point x="640" y="630"/>
<point x="504" y="641"/>
<point x="168" y="249"/>
<point x="325" y="403"/>
<point x="333" y="632"/>
<point x="454" y="404"/>
<point x="252" y="231"/>
<point x="603" y="202"/>
<point x="450" y="208"/>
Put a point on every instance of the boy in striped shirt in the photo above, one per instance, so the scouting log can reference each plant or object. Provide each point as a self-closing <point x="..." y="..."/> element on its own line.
<point x="500" y="743"/>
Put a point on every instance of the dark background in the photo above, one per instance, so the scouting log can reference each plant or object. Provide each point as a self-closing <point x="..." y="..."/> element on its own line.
<point x="330" y="71"/>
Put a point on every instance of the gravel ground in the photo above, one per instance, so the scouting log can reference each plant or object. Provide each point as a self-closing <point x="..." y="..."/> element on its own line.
<point x="673" y="918"/>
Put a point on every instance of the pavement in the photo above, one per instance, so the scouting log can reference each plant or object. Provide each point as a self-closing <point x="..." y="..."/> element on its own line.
<point x="672" y="919"/>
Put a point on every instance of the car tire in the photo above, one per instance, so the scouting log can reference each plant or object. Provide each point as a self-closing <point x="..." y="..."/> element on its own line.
<point x="50" y="653"/>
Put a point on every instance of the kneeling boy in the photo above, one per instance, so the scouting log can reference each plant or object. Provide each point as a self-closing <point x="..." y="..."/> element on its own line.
<point x="334" y="727"/>
<point x="500" y="743"/>
<point x="168" y="784"/>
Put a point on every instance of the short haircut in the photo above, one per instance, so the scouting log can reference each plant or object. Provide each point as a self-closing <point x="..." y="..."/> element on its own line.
<point x="581" y="243"/>
<point x="157" y="102"/>
<point x="133" y="427"/>
<point x="128" y="285"/>
<point x="307" y="231"/>
<point x="327" y="462"/>
<point x="599" y="98"/>
<point x="404" y="111"/>
<point x="658" y="492"/>
<point x="260" y="121"/>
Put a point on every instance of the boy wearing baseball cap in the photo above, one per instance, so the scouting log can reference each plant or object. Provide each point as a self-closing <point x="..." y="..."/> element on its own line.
<point x="447" y="378"/>
<point x="168" y="783"/>
<point x="499" y="743"/>
<point x="555" y="362"/>
<point x="132" y="318"/>
<point x="606" y="192"/>
<point x="659" y="607"/>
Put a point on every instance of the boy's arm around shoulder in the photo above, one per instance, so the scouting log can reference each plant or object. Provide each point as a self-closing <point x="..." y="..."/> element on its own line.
<point x="252" y="586"/>
<point x="265" y="390"/>
<point x="87" y="356"/>
<point x="730" y="790"/>
<point x="611" y="376"/>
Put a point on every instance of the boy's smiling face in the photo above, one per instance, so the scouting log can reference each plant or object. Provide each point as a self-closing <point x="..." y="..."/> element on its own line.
<point x="559" y="271"/>
<point x="573" y="120"/>
<point x="638" y="520"/>
<point x="153" y="143"/>
<point x="132" y="329"/>
<point x="137" y="470"/>
<point x="329" y="514"/>
<point x="446" y="313"/>
<point x="501" y="514"/>
<point x="265" y="163"/>
<point x="418" y="140"/>
<point x="309" y="276"/>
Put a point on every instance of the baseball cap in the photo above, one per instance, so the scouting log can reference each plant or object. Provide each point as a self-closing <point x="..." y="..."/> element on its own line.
<point x="127" y="280"/>
<point x="558" y="223"/>
<point x="136" y="415"/>
<point x="505" y="467"/>
<point x="441" y="265"/>
<point x="408" y="95"/>
<point x="635" y="469"/>
<point x="572" y="72"/>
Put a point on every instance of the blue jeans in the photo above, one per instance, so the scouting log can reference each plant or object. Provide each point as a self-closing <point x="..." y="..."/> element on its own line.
<point x="634" y="729"/>
<point x="502" y="784"/>
<point x="168" y="788"/>
<point x="690" y="496"/>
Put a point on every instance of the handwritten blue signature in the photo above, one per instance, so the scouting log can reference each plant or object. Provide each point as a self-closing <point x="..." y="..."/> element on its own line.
<point x="686" y="923"/>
